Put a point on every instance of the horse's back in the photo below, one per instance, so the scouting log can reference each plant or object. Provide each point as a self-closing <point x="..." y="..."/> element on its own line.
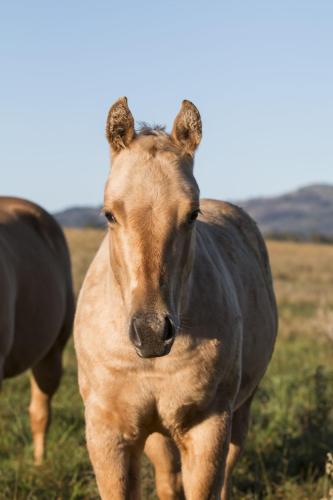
<point x="35" y="274"/>
<point x="236" y="238"/>
<point x="17" y="213"/>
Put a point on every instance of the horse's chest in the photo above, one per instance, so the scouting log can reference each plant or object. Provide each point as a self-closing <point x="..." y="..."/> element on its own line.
<point x="187" y="391"/>
<point x="143" y="396"/>
<point x="168" y="395"/>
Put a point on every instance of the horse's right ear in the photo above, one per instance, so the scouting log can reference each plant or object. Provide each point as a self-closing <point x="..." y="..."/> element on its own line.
<point x="120" y="125"/>
<point x="187" y="128"/>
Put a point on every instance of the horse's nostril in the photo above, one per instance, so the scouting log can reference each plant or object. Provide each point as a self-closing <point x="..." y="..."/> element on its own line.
<point x="136" y="339"/>
<point x="169" y="330"/>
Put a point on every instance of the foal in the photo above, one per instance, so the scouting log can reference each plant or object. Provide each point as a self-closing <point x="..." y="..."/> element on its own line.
<point x="176" y="320"/>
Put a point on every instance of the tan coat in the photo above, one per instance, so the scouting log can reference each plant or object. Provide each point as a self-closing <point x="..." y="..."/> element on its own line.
<point x="176" y="320"/>
<point x="37" y="306"/>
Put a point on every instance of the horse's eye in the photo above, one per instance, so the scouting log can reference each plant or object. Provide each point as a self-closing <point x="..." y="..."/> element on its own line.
<point x="193" y="216"/>
<point x="110" y="217"/>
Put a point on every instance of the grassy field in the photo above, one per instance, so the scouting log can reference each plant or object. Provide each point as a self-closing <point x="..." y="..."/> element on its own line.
<point x="292" y="418"/>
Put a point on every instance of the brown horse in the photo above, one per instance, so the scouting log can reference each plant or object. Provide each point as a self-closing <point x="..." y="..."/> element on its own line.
<point x="176" y="320"/>
<point x="37" y="306"/>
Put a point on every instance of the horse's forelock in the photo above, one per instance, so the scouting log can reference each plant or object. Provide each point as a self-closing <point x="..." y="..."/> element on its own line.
<point x="146" y="129"/>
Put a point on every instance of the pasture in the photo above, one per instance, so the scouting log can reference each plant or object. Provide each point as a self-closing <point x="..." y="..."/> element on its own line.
<point x="292" y="417"/>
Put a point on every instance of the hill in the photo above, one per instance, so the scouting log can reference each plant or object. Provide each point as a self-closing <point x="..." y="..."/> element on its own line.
<point x="81" y="217"/>
<point x="306" y="212"/>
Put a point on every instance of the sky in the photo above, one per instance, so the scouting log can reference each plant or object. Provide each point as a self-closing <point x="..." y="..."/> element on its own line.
<point x="260" y="72"/>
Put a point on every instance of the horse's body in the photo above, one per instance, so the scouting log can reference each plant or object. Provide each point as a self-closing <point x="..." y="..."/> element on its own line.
<point x="208" y="290"/>
<point x="37" y="306"/>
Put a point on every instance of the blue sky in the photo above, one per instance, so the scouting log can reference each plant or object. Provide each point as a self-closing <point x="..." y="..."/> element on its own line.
<point x="260" y="72"/>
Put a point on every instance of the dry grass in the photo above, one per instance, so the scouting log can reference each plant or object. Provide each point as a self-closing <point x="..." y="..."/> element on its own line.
<point x="303" y="279"/>
<point x="83" y="245"/>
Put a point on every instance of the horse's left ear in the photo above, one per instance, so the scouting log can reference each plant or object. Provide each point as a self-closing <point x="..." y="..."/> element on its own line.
<point x="120" y="125"/>
<point x="187" y="128"/>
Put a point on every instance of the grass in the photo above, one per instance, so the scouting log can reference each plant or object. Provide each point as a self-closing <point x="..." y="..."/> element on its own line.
<point x="292" y="417"/>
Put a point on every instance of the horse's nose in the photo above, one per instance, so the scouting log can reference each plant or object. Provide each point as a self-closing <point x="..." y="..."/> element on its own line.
<point x="169" y="330"/>
<point x="152" y="336"/>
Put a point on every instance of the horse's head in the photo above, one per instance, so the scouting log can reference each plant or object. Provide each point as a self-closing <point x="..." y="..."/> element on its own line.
<point x="151" y="202"/>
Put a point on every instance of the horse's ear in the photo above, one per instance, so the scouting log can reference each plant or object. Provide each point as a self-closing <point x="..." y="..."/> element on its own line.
<point x="187" y="129"/>
<point x="120" y="125"/>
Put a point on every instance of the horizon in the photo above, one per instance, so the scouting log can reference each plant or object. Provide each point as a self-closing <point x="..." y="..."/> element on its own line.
<point x="259" y="75"/>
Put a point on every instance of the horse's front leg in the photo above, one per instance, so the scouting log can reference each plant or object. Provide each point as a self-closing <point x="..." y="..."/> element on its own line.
<point x="115" y="459"/>
<point x="204" y="449"/>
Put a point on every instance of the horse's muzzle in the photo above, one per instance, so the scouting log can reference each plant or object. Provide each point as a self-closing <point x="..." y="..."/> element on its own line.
<point x="152" y="336"/>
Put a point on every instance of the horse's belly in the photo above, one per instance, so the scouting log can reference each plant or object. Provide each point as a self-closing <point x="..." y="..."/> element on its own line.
<point x="34" y="331"/>
<point x="27" y="349"/>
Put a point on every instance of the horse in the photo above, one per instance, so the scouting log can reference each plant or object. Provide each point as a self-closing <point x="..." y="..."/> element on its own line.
<point x="176" y="319"/>
<point x="37" y="305"/>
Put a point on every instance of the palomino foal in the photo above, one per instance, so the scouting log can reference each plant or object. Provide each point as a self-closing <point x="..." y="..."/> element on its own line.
<point x="176" y="320"/>
<point x="37" y="305"/>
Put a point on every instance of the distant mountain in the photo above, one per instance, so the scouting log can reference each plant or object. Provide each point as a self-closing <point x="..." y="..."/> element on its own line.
<point x="304" y="213"/>
<point x="81" y="217"/>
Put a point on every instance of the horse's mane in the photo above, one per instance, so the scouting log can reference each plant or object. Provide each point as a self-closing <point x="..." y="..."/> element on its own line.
<point x="146" y="129"/>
